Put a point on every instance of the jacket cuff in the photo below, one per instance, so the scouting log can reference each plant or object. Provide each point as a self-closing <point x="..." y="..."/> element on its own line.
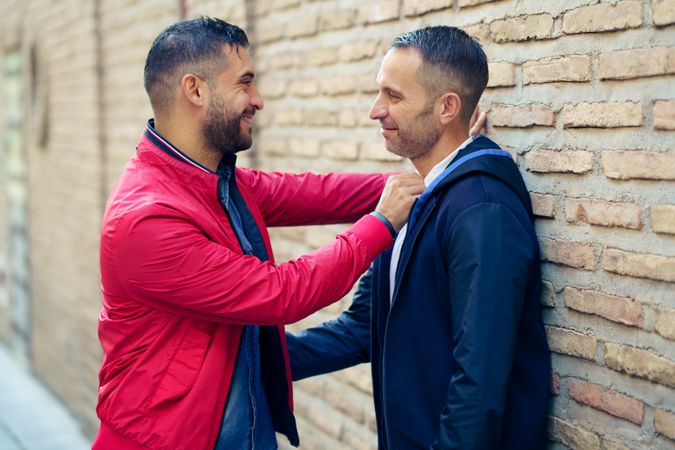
<point x="374" y="233"/>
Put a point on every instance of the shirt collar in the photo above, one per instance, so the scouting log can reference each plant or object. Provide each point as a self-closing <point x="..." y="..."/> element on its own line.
<point x="436" y="171"/>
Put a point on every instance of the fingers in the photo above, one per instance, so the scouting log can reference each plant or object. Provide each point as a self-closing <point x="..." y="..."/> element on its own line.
<point x="478" y="122"/>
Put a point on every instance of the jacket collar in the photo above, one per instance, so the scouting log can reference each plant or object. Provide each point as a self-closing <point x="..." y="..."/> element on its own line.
<point x="157" y="151"/>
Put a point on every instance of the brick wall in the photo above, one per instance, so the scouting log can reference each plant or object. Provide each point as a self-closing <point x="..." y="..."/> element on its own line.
<point x="580" y="91"/>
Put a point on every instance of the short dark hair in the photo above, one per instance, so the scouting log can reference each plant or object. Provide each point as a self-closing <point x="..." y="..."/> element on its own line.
<point x="451" y="60"/>
<point x="189" y="46"/>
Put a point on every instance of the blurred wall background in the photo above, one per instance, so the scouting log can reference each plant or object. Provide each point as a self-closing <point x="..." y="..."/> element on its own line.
<point x="581" y="92"/>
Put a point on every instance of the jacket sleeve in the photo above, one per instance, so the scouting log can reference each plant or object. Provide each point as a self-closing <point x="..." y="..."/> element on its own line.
<point x="489" y="256"/>
<point x="288" y="199"/>
<point x="335" y="344"/>
<point x="165" y="261"/>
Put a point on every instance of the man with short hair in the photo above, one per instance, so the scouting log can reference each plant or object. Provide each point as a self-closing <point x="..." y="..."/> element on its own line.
<point x="450" y="317"/>
<point x="194" y="352"/>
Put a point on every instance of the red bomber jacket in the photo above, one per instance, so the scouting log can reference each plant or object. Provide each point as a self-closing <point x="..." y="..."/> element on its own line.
<point x="177" y="291"/>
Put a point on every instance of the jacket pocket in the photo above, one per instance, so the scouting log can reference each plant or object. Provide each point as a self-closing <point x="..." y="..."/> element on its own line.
<point x="182" y="371"/>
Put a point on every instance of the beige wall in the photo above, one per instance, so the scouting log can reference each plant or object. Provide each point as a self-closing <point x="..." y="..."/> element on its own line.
<point x="582" y="92"/>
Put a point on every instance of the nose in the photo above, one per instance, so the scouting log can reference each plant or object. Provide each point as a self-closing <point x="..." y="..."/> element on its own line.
<point x="378" y="110"/>
<point x="256" y="99"/>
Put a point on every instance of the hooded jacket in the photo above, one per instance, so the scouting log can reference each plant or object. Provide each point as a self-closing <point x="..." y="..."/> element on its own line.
<point x="177" y="291"/>
<point x="459" y="358"/>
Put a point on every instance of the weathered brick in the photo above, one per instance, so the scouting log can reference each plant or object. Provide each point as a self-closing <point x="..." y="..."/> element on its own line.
<point x="555" y="383"/>
<point x="535" y="26"/>
<point x="304" y="88"/>
<point x="465" y="3"/>
<point x="543" y="205"/>
<point x="571" y="435"/>
<point x="566" y="161"/>
<point x="635" y="63"/>
<point x="664" y="422"/>
<point x="641" y="265"/>
<point x="501" y="74"/>
<point x="338" y="85"/>
<point x="307" y="148"/>
<point x="288" y="117"/>
<point x="337" y="20"/>
<point x="272" y="87"/>
<point x="570" y="342"/>
<point x="638" y="165"/>
<point x="347" y="150"/>
<point x="480" y="31"/>
<point x="640" y="363"/>
<point x="602" y="114"/>
<point x="664" y="324"/>
<point x="547" y="294"/>
<point x="664" y="114"/>
<point x="565" y="68"/>
<point x="273" y="146"/>
<point x="617" y="309"/>
<point x="606" y="400"/>
<point x="320" y="117"/>
<point x="376" y="152"/>
<point x="610" y="445"/>
<point x="320" y="56"/>
<point x="355" y="51"/>
<point x="603" y="17"/>
<point x="663" y="218"/>
<point x="301" y="26"/>
<point x="663" y="12"/>
<point x="283" y="4"/>
<point x="269" y="29"/>
<point x="520" y="116"/>
<point x="381" y="11"/>
<point x="568" y="253"/>
<point x="603" y="213"/>
<point x="418" y="7"/>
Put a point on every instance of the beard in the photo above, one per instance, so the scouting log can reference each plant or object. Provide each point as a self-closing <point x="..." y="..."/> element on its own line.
<point x="416" y="138"/>
<point x="222" y="130"/>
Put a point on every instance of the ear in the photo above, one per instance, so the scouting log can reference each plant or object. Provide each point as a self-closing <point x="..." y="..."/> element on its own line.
<point x="451" y="105"/>
<point x="193" y="89"/>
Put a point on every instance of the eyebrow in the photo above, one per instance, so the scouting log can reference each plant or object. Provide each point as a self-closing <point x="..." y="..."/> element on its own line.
<point x="247" y="74"/>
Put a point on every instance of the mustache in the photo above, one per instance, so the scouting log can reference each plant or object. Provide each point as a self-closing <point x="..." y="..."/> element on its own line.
<point x="249" y="112"/>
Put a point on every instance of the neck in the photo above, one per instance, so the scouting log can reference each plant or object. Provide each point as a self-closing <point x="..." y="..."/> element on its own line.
<point x="181" y="133"/>
<point x="448" y="143"/>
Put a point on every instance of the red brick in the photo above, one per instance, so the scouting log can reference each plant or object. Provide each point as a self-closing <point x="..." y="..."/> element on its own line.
<point x="640" y="363"/>
<point x="641" y="265"/>
<point x="635" y="63"/>
<point x="570" y="342"/>
<point x="664" y="422"/>
<point x="663" y="218"/>
<point x="603" y="17"/>
<point x="638" y="165"/>
<point x="664" y="324"/>
<point x="565" y="68"/>
<point x="603" y="213"/>
<point x="572" y="436"/>
<point x="543" y="205"/>
<point x="524" y="28"/>
<point x="617" y="309"/>
<point x="521" y="116"/>
<point x="566" y="161"/>
<point x="602" y="115"/>
<point x="663" y="12"/>
<point x="606" y="400"/>
<point x="664" y="114"/>
<point x="568" y="253"/>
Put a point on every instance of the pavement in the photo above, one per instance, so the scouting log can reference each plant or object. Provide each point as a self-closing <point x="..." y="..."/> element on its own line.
<point x="31" y="417"/>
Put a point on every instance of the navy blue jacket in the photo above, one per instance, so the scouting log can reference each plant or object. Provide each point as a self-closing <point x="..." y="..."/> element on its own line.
<point x="460" y="359"/>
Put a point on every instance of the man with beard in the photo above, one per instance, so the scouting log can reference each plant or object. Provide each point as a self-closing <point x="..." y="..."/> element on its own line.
<point x="194" y="352"/>
<point x="449" y="318"/>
